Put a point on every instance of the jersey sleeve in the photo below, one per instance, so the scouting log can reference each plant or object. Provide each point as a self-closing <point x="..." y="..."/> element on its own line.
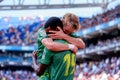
<point x="74" y="35"/>
<point x="41" y="35"/>
<point x="46" y="57"/>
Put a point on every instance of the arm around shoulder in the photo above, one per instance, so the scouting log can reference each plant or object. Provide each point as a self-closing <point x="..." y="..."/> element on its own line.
<point x="76" y="41"/>
<point x="54" y="46"/>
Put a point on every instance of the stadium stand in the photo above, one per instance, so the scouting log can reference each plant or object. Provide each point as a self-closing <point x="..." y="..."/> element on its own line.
<point x="106" y="69"/>
<point x="99" y="61"/>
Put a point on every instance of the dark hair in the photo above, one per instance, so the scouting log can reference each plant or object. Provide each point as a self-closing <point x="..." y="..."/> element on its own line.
<point x="53" y="22"/>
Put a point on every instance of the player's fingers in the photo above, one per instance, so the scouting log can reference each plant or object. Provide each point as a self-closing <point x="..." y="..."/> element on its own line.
<point x="51" y="35"/>
<point x="35" y="51"/>
<point x="52" y="31"/>
<point x="59" y="28"/>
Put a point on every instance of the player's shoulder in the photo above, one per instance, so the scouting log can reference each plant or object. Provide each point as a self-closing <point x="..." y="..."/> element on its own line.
<point x="74" y="34"/>
<point x="41" y="29"/>
<point x="42" y="32"/>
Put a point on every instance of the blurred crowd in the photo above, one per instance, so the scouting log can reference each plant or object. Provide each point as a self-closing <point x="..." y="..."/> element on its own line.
<point x="17" y="75"/>
<point x="102" y="43"/>
<point x="20" y="35"/>
<point x="101" y="18"/>
<point x="108" y="69"/>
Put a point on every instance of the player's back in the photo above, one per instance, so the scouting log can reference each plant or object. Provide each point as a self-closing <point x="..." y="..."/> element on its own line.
<point x="62" y="64"/>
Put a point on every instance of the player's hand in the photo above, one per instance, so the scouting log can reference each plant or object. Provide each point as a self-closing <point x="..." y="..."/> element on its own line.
<point x="74" y="50"/>
<point x="34" y="54"/>
<point x="46" y="41"/>
<point x="57" y="34"/>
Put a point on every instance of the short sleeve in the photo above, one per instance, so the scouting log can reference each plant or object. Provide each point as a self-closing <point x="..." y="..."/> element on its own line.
<point x="74" y="35"/>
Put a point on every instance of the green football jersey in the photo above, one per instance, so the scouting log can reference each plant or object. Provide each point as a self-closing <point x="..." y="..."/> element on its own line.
<point x="41" y="35"/>
<point x="61" y="64"/>
<point x="74" y="35"/>
<point x="45" y="76"/>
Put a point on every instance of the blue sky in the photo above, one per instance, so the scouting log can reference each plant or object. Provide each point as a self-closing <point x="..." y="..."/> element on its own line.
<point x="83" y="12"/>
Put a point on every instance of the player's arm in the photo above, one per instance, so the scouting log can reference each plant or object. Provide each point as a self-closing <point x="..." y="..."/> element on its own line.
<point x="55" y="46"/>
<point x="76" y="41"/>
<point x="45" y="61"/>
<point x="61" y="35"/>
<point x="39" y="69"/>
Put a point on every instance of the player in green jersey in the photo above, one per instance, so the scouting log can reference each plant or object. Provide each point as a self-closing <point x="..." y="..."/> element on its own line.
<point x="52" y="23"/>
<point x="78" y="41"/>
<point x="70" y="26"/>
<point x="61" y="64"/>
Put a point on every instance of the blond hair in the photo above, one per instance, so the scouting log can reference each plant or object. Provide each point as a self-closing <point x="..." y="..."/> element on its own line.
<point x="72" y="20"/>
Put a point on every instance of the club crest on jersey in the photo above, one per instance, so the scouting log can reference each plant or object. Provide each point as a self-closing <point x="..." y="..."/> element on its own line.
<point x="42" y="33"/>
